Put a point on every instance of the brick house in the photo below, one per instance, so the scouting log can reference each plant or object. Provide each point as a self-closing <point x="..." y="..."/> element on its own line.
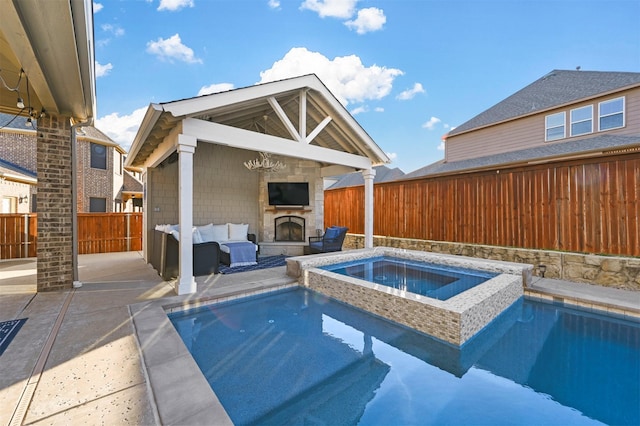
<point x="103" y="183"/>
<point x="564" y="114"/>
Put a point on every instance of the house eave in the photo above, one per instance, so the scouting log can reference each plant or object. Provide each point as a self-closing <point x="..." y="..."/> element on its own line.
<point x="52" y="41"/>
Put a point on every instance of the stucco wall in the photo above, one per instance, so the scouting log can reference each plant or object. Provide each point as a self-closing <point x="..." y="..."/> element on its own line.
<point x="607" y="271"/>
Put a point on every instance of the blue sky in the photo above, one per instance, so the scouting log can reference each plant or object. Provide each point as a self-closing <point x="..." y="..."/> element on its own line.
<point x="408" y="70"/>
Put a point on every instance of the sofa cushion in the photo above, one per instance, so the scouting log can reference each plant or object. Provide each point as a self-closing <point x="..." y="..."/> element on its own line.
<point x="213" y="232"/>
<point x="197" y="238"/>
<point x="238" y="231"/>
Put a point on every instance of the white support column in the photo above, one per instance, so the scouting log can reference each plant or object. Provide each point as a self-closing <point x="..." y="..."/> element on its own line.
<point x="368" y="175"/>
<point x="186" y="282"/>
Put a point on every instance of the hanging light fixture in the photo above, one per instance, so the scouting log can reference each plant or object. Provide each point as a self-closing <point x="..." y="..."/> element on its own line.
<point x="264" y="163"/>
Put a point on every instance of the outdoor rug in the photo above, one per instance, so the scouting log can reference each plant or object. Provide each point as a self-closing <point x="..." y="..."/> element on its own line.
<point x="263" y="263"/>
<point x="8" y="330"/>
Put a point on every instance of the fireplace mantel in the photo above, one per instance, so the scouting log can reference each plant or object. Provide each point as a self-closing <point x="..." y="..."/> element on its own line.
<point x="288" y="210"/>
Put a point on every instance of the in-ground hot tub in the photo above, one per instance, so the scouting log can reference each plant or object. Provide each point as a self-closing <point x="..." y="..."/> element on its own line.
<point x="455" y="320"/>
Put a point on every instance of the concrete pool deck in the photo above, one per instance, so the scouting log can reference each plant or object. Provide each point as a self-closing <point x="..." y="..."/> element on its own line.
<point x="77" y="361"/>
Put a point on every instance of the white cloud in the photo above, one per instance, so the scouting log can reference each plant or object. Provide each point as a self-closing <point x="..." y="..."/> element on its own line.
<point x="102" y="70"/>
<point x="369" y="19"/>
<point x="410" y="93"/>
<point x="172" y="48"/>
<point x="359" y="109"/>
<point x="345" y="76"/>
<point x="441" y="146"/>
<point x="392" y="155"/>
<point x="115" y="30"/>
<point x="174" y="5"/>
<point x="122" y="129"/>
<point x="215" y="88"/>
<point x="97" y="7"/>
<point x="274" y="4"/>
<point x="379" y="109"/>
<point x="332" y="8"/>
<point x="431" y="123"/>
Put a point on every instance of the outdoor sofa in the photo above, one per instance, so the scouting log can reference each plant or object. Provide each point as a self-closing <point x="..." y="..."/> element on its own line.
<point x="229" y="244"/>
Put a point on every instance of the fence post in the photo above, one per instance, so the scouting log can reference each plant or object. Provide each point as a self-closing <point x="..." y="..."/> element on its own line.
<point x="25" y="237"/>
<point x="128" y="232"/>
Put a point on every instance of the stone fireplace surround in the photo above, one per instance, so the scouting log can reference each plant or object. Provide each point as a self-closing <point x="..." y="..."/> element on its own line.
<point x="313" y="214"/>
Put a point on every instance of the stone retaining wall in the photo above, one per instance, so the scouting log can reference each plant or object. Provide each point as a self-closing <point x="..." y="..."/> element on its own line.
<point x="607" y="271"/>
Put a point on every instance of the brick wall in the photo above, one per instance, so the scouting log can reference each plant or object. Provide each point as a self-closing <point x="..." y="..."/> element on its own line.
<point x="55" y="245"/>
<point x="92" y="182"/>
<point x="18" y="147"/>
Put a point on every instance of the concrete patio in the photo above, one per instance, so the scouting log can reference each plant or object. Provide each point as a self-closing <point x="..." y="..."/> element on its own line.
<point x="77" y="359"/>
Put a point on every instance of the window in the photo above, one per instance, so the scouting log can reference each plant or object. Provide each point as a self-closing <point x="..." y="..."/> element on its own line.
<point x="582" y="120"/>
<point x="554" y="126"/>
<point x="98" y="156"/>
<point x="611" y="114"/>
<point x="97" y="205"/>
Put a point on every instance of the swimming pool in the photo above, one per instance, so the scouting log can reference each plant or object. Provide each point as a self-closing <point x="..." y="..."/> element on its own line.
<point x="297" y="356"/>
<point x="427" y="279"/>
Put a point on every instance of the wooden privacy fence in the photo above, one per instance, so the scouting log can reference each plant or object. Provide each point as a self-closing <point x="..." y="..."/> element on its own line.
<point x="97" y="233"/>
<point x="589" y="206"/>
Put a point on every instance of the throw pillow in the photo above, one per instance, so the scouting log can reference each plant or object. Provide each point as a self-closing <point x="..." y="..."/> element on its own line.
<point x="213" y="232"/>
<point x="238" y="232"/>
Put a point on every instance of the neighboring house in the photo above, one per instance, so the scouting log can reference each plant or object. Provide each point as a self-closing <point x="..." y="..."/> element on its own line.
<point x="564" y="114"/>
<point x="17" y="188"/>
<point x="103" y="184"/>
<point x="383" y="174"/>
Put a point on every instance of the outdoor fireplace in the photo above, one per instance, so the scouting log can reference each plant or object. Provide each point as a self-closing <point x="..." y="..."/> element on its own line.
<point x="289" y="228"/>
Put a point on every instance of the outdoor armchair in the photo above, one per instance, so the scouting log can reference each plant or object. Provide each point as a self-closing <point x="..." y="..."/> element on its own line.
<point x="331" y="241"/>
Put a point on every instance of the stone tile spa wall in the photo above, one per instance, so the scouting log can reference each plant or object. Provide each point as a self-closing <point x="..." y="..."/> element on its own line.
<point x="455" y="320"/>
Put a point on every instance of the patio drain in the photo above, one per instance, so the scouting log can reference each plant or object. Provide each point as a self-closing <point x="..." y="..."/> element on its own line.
<point x="34" y="378"/>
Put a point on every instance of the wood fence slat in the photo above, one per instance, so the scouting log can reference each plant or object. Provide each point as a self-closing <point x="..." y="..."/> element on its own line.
<point x="590" y="206"/>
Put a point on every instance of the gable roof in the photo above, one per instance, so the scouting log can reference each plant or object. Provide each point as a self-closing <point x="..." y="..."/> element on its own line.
<point x="609" y="143"/>
<point x="262" y="116"/>
<point x="16" y="173"/>
<point x="383" y="174"/>
<point x="557" y="88"/>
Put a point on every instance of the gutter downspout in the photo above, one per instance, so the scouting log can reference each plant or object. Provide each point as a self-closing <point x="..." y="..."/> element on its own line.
<point x="74" y="199"/>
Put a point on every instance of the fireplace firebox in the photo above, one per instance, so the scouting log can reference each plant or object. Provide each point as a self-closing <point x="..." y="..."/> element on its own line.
<point x="289" y="228"/>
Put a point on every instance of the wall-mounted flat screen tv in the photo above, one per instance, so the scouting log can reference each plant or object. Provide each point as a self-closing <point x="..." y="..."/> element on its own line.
<point x="288" y="193"/>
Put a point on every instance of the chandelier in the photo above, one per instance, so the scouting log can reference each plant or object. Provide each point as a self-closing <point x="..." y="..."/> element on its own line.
<point x="264" y="164"/>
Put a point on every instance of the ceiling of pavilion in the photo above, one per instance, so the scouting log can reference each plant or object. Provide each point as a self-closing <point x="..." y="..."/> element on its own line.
<point x="257" y="114"/>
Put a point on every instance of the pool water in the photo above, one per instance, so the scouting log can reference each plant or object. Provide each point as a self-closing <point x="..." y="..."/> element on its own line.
<point x="296" y="357"/>
<point x="426" y="279"/>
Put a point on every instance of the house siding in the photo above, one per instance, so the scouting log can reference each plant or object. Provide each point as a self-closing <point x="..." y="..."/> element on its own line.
<point x="529" y="132"/>
<point x="225" y="191"/>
